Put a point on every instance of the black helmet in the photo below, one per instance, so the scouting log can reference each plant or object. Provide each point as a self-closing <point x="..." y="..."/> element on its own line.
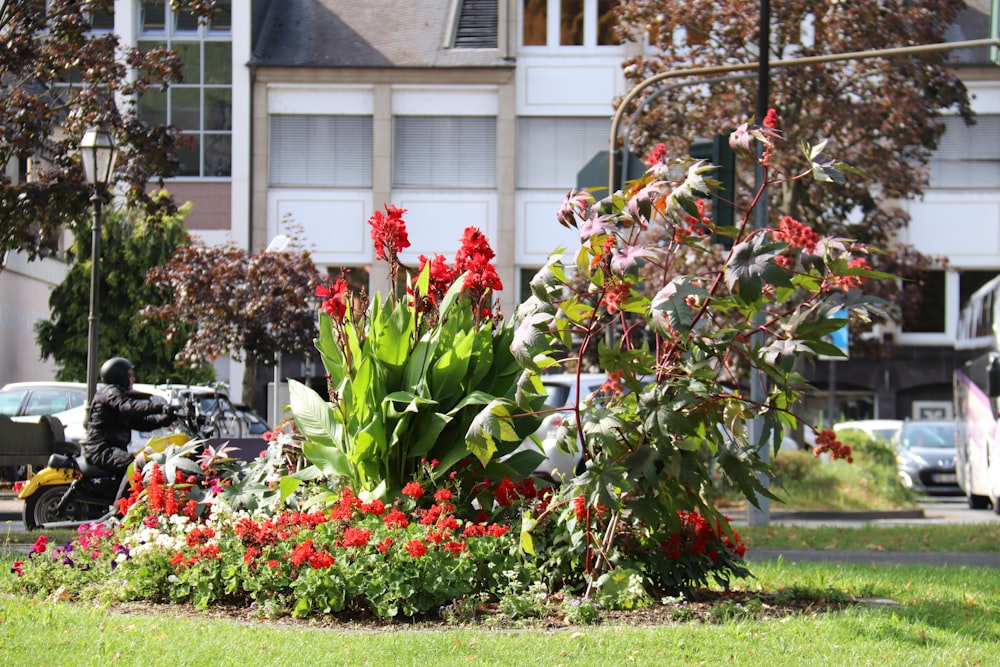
<point x="115" y="371"/>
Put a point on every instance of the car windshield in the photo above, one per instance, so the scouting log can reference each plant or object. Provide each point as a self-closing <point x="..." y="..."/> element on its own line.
<point x="10" y="401"/>
<point x="932" y="436"/>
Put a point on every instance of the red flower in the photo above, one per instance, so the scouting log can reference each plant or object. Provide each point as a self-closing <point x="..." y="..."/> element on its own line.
<point x="389" y="233"/>
<point x="302" y="553"/>
<point x="496" y="530"/>
<point x="356" y="537"/>
<point x="442" y="495"/>
<point x="454" y="547"/>
<point x="376" y="507"/>
<point x="506" y="493"/>
<point x="413" y="490"/>
<point x="395" y="519"/>
<point x="771" y="119"/>
<point x="795" y="233"/>
<point x="335" y="304"/>
<point x="416" y="548"/>
<point x="658" y="155"/>
<point x="320" y="560"/>
<point x="580" y="507"/>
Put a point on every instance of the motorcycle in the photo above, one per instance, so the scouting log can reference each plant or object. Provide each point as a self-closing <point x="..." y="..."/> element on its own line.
<point x="70" y="492"/>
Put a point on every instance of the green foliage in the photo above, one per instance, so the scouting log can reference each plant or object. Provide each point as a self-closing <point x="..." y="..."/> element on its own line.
<point x="678" y="404"/>
<point x="60" y="78"/>
<point x="132" y="243"/>
<point x="409" y="386"/>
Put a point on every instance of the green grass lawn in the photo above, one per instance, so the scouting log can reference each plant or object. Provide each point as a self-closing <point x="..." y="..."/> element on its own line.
<point x="923" y="616"/>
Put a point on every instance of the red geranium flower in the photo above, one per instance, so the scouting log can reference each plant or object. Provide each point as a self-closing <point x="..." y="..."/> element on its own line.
<point x="413" y="490"/>
<point x="416" y="548"/>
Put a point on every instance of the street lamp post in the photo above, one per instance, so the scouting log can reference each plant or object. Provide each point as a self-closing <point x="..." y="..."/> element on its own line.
<point x="97" y="148"/>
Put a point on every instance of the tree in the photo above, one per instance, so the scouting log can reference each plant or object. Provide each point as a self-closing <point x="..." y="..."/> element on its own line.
<point x="879" y="114"/>
<point x="133" y="243"/>
<point x="57" y="78"/>
<point x="252" y="306"/>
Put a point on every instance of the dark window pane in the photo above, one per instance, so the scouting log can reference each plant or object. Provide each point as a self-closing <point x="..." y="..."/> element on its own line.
<point x="930" y="314"/>
<point x="190" y="156"/>
<point x="190" y="54"/>
<point x="535" y="18"/>
<point x="218" y="155"/>
<point x="607" y="19"/>
<point x="222" y="20"/>
<point x="153" y="16"/>
<point x="571" y="23"/>
<point x="103" y="20"/>
<point x="185" y="21"/>
<point x="219" y="62"/>
<point x="185" y="108"/>
<point x="153" y="107"/>
<point x="218" y="109"/>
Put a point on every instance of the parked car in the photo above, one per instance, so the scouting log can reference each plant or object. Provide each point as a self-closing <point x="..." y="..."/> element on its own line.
<point x="30" y="399"/>
<point x="884" y="429"/>
<point x="32" y="403"/>
<point x="925" y="457"/>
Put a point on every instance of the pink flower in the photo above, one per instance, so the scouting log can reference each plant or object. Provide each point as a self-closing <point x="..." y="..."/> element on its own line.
<point x="40" y="545"/>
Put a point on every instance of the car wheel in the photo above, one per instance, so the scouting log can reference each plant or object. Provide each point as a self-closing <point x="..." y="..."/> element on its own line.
<point x="39" y="507"/>
<point x="978" y="502"/>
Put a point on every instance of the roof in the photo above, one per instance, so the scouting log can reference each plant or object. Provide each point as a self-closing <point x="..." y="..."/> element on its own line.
<point x="402" y="33"/>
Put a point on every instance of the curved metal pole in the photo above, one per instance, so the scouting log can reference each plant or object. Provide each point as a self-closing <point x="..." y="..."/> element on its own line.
<point x="743" y="67"/>
<point x="652" y="98"/>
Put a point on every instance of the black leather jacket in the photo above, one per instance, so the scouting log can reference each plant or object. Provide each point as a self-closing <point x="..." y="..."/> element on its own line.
<point x="113" y="414"/>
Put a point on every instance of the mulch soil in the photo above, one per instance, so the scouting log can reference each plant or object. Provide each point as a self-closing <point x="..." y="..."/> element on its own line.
<point x="699" y="607"/>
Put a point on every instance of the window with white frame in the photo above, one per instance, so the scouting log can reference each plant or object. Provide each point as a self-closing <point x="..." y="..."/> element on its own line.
<point x="968" y="156"/>
<point x="557" y="23"/>
<point x="444" y="152"/>
<point x="320" y="151"/>
<point x="202" y="104"/>
<point x="551" y="151"/>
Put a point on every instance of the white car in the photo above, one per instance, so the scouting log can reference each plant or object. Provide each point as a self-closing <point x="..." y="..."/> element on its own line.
<point x="562" y="394"/>
<point x="228" y="422"/>
<point x="883" y="429"/>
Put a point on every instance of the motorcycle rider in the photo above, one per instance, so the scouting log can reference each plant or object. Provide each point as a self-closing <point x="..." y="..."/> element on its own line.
<point x="114" y="413"/>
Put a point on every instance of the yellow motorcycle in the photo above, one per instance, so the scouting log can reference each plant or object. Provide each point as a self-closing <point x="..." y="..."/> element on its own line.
<point x="70" y="492"/>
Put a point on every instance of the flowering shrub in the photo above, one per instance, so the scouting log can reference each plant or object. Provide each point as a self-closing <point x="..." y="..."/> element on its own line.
<point x="681" y="356"/>
<point x="407" y="558"/>
<point x="409" y="374"/>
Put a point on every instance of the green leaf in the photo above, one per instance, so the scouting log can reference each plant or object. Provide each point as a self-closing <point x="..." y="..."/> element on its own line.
<point x="527" y="525"/>
<point x="287" y="486"/>
<point x="313" y="416"/>
<point x="331" y="461"/>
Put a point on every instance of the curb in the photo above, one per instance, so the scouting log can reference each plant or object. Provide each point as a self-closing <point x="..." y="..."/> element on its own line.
<point x="861" y="516"/>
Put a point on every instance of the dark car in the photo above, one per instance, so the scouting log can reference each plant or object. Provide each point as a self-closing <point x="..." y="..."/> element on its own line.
<point x="925" y="457"/>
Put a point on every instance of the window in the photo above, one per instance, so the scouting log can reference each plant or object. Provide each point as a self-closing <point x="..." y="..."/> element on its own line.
<point x="930" y="313"/>
<point x="201" y="105"/>
<point x="444" y="152"/>
<point x="551" y="151"/>
<point x="321" y="151"/>
<point x="968" y="157"/>
<point x="576" y="23"/>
